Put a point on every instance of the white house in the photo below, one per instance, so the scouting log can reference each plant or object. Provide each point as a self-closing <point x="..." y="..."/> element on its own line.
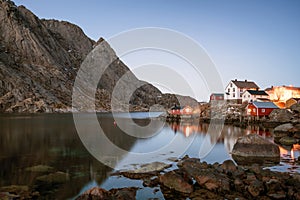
<point x="235" y="90"/>
<point x="254" y="95"/>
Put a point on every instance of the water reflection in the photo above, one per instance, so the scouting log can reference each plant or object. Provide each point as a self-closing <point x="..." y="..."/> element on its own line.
<point x="229" y="136"/>
<point x="52" y="140"/>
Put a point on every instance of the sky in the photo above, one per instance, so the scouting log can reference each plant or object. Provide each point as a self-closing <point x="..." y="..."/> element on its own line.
<point x="254" y="40"/>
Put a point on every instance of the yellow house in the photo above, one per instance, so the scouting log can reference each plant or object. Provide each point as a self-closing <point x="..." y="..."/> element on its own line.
<point x="291" y="102"/>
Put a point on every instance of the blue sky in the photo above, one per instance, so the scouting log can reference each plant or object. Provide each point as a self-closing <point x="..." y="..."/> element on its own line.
<point x="255" y="40"/>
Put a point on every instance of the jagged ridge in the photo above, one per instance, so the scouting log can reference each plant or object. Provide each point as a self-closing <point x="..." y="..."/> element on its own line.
<point x="39" y="60"/>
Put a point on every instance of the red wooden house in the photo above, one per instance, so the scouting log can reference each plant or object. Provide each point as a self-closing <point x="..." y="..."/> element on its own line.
<point x="216" y="97"/>
<point x="178" y="110"/>
<point x="259" y="109"/>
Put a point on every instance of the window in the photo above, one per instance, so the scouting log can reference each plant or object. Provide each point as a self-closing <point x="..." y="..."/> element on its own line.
<point x="241" y="95"/>
<point x="228" y="90"/>
<point x="233" y="95"/>
<point x="233" y="89"/>
<point x="248" y="95"/>
<point x="263" y="110"/>
<point x="230" y="84"/>
<point x="241" y="90"/>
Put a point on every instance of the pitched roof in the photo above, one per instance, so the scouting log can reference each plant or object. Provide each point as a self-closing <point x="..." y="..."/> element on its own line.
<point x="257" y="92"/>
<point x="218" y="94"/>
<point x="297" y="99"/>
<point x="245" y="84"/>
<point x="264" y="104"/>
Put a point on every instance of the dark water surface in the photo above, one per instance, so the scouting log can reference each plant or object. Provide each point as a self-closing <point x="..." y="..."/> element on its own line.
<point x="52" y="140"/>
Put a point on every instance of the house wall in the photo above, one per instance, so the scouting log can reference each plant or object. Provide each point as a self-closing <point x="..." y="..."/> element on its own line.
<point x="235" y="93"/>
<point x="216" y="97"/>
<point x="253" y="111"/>
<point x="247" y="97"/>
<point x="265" y="111"/>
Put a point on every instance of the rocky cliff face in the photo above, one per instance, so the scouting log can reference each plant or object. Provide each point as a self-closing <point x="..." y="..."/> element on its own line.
<point x="39" y="60"/>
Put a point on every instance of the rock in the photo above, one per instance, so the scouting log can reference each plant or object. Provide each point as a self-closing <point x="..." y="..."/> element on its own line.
<point x="40" y="169"/>
<point x="256" y="188"/>
<point x="17" y="192"/>
<point x="283" y="128"/>
<point x="151" y="182"/>
<point x="296" y="129"/>
<point x="229" y="166"/>
<point x="54" y="178"/>
<point x="255" y="149"/>
<point x="281" y="115"/>
<point x="288" y="141"/>
<point x="192" y="166"/>
<point x="213" y="180"/>
<point x="175" y="181"/>
<point x="94" y="193"/>
<point x="238" y="185"/>
<point x="295" y="108"/>
<point x="256" y="168"/>
<point x="97" y="193"/>
<point x="202" y="194"/>
<point x="297" y="135"/>
<point x="124" y="193"/>
<point x="145" y="170"/>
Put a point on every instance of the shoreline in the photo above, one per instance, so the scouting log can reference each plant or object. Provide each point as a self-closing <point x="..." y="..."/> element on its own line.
<point x="199" y="180"/>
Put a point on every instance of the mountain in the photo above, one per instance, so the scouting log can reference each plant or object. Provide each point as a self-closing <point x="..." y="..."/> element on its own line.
<point x="39" y="61"/>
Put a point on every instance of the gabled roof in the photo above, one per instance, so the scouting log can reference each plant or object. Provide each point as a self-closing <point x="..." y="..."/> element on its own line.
<point x="297" y="99"/>
<point x="257" y="92"/>
<point x="245" y="84"/>
<point x="263" y="99"/>
<point x="218" y="94"/>
<point x="264" y="104"/>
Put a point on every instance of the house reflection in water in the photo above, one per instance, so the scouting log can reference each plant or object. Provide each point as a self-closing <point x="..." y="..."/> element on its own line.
<point x="291" y="153"/>
<point x="230" y="134"/>
<point x="186" y="128"/>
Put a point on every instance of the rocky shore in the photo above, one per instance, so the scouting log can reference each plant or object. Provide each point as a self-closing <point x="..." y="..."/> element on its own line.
<point x="192" y="179"/>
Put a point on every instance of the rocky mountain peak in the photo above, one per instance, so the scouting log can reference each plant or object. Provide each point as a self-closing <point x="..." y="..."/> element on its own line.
<point x="39" y="60"/>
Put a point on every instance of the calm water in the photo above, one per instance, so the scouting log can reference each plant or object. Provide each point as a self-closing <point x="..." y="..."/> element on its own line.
<point x="52" y="140"/>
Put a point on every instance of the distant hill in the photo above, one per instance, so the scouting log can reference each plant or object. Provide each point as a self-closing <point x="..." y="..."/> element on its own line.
<point x="39" y="60"/>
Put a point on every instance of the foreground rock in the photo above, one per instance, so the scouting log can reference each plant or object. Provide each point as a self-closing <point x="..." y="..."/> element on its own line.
<point x="97" y="193"/>
<point x="146" y="170"/>
<point x="198" y="180"/>
<point x="175" y="180"/>
<point x="17" y="192"/>
<point x="255" y="149"/>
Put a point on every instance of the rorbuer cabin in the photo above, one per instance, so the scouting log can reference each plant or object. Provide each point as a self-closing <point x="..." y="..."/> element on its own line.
<point x="260" y="109"/>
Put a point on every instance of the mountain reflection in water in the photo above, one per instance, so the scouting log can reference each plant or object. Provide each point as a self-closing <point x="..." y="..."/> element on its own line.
<point x="52" y="140"/>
